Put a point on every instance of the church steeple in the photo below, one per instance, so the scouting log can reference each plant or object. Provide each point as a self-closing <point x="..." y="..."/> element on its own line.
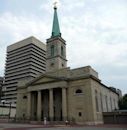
<point x="55" y="28"/>
<point x="56" y="47"/>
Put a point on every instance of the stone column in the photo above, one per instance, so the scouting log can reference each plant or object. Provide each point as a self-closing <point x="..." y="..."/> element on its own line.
<point x="29" y="105"/>
<point x="51" y="107"/>
<point x="64" y="104"/>
<point x="39" y="106"/>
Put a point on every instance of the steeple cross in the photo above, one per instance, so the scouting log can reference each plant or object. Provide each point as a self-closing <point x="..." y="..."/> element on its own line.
<point x="55" y="4"/>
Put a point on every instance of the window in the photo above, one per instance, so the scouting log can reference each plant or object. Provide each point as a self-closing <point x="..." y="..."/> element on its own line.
<point x="78" y="91"/>
<point x="24" y="97"/>
<point x="114" y="104"/>
<point x="62" y="65"/>
<point x="52" y="64"/>
<point x="80" y="114"/>
<point x="62" y="51"/>
<point x="111" y="103"/>
<point x="101" y="98"/>
<point x="52" y="50"/>
<point x="96" y="101"/>
<point x="106" y="101"/>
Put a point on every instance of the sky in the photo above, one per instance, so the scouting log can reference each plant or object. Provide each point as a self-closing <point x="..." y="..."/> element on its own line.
<point x="95" y="32"/>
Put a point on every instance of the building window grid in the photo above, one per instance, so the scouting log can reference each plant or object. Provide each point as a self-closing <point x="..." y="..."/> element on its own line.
<point x="29" y="53"/>
<point x="21" y="49"/>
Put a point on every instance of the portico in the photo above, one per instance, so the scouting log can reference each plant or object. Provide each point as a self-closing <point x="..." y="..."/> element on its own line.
<point x="50" y="103"/>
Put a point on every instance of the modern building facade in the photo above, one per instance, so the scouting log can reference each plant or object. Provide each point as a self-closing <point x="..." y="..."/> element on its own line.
<point x="1" y="84"/>
<point x="25" y="59"/>
<point x="61" y="94"/>
<point x="1" y="81"/>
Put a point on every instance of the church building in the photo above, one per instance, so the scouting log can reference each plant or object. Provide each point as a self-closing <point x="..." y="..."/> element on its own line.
<point x="61" y="94"/>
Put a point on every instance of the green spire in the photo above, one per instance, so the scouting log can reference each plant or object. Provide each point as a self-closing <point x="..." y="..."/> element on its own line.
<point x="55" y="28"/>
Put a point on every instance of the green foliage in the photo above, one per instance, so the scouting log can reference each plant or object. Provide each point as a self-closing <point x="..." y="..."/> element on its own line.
<point x="123" y="103"/>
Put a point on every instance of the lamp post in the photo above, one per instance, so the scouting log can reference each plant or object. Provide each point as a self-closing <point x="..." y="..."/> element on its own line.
<point x="2" y="106"/>
<point x="9" y="110"/>
<point x="7" y="102"/>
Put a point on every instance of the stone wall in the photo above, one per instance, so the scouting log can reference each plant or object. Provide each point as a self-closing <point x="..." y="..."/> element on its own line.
<point x="104" y="100"/>
<point x="115" y="117"/>
<point x="80" y="104"/>
<point x="21" y="110"/>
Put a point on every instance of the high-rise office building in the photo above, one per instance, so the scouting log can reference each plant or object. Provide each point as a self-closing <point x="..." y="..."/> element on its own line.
<point x="25" y="59"/>
<point x="1" y="81"/>
<point x="1" y="84"/>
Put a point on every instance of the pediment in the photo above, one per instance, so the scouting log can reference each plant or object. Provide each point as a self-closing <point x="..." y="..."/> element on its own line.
<point x="44" y="79"/>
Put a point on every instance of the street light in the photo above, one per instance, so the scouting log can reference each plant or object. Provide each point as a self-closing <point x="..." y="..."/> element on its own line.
<point x="9" y="114"/>
<point x="3" y="101"/>
<point x="7" y="102"/>
<point x="9" y="110"/>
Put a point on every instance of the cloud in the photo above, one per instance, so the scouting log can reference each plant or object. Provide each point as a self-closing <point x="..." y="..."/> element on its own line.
<point x="20" y="26"/>
<point x="98" y="35"/>
<point x="98" y="38"/>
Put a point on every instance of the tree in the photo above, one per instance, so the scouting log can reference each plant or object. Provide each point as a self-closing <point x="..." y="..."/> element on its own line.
<point x="123" y="103"/>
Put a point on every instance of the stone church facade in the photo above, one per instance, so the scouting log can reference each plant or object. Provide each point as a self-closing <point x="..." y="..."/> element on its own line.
<point x="62" y="93"/>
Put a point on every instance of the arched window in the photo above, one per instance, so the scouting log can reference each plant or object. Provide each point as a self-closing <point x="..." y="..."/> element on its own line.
<point x="96" y="101"/>
<point x="80" y="114"/>
<point x="78" y="91"/>
<point x="52" y="50"/>
<point x="62" y="51"/>
<point x="52" y="64"/>
<point x="101" y="99"/>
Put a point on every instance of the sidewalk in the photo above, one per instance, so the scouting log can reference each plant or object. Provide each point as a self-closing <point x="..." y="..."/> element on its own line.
<point x="15" y="126"/>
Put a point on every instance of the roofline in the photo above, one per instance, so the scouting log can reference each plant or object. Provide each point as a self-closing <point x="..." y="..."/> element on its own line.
<point x="94" y="78"/>
<point x="70" y="79"/>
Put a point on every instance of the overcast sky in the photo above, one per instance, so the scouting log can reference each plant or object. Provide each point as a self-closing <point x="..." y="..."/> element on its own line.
<point x="95" y="32"/>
